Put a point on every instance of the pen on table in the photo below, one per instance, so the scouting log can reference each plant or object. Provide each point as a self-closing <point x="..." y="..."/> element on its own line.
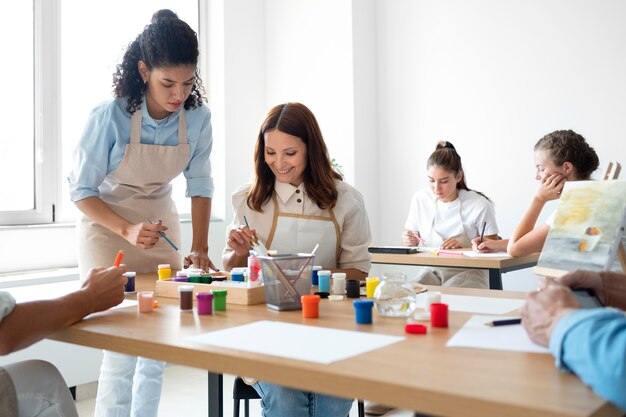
<point x="118" y="258"/>
<point x="504" y="322"/>
<point x="165" y="237"/>
<point x="482" y="233"/>
<point x="447" y="252"/>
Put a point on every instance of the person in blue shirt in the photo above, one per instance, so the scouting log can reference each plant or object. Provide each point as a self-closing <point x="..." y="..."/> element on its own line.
<point x="588" y="342"/>
<point x="133" y="146"/>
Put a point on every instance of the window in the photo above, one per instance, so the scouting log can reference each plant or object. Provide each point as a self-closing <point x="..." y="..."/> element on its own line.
<point x="28" y="149"/>
<point x="64" y="53"/>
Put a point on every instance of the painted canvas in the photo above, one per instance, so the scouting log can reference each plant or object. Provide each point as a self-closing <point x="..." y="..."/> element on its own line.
<point x="588" y="226"/>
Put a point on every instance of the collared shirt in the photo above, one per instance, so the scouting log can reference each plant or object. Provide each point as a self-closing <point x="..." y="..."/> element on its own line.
<point x="592" y="344"/>
<point x="102" y="145"/>
<point x="349" y="212"/>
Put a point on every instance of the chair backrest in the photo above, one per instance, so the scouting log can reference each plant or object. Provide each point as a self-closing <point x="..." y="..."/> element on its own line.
<point x="612" y="171"/>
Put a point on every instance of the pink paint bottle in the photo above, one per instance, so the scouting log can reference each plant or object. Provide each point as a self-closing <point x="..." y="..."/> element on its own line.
<point x="145" y="299"/>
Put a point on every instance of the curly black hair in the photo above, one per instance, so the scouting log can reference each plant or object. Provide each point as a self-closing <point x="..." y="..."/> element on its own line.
<point x="166" y="42"/>
<point x="568" y="146"/>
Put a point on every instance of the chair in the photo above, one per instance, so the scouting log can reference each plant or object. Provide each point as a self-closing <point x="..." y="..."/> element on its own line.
<point x="612" y="171"/>
<point x="243" y="391"/>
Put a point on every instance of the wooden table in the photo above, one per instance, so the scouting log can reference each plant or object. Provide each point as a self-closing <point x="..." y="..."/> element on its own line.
<point x="419" y="373"/>
<point x="495" y="266"/>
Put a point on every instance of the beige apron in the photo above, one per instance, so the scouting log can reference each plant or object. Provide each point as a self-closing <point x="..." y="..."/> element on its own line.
<point x="452" y="277"/>
<point x="138" y="189"/>
<point x="294" y="233"/>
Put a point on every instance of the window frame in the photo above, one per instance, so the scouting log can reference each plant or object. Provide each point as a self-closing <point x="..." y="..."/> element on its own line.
<point x="46" y="117"/>
<point x="46" y="20"/>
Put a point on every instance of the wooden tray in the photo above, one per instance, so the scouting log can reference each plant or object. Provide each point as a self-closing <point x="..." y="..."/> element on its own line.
<point x="238" y="292"/>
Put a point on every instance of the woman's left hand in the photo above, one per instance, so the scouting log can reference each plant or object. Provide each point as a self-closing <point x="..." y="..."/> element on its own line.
<point x="451" y="243"/>
<point x="200" y="260"/>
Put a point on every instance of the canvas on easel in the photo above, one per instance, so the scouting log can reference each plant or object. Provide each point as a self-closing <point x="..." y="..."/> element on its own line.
<point x="587" y="230"/>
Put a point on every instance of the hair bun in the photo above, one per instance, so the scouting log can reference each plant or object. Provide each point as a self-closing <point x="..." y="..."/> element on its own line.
<point x="163" y="14"/>
<point x="444" y="144"/>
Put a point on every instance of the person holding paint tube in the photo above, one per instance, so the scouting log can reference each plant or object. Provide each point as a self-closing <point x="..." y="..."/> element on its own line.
<point x="296" y="201"/>
<point x="448" y="214"/>
<point x="35" y="387"/>
<point x="156" y="127"/>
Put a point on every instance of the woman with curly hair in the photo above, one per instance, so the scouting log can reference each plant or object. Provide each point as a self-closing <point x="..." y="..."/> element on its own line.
<point x="132" y="148"/>
<point x="560" y="156"/>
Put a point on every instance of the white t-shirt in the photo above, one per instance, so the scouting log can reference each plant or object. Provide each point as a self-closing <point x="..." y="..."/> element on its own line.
<point x="470" y="210"/>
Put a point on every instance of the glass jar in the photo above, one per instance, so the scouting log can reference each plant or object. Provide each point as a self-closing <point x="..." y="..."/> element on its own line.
<point x="394" y="297"/>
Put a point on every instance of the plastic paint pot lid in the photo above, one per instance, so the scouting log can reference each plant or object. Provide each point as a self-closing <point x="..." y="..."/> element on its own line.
<point x="310" y="298"/>
<point x="130" y="274"/>
<point x="322" y="294"/>
<point x="185" y="288"/>
<point x="204" y="296"/>
<point x="335" y="297"/>
<point x="317" y="267"/>
<point x="415" y="328"/>
<point x="363" y="303"/>
<point x="164" y="266"/>
<point x="219" y="292"/>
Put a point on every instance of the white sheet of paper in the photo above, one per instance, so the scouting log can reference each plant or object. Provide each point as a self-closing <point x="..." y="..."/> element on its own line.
<point x="472" y="254"/>
<point x="484" y="305"/>
<point x="475" y="334"/>
<point x="296" y="341"/>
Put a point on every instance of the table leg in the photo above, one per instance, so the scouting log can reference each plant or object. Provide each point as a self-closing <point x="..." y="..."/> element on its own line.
<point x="495" y="279"/>
<point x="216" y="395"/>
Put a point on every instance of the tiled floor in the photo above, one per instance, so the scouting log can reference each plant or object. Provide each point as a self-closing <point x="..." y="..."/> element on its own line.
<point x="185" y="394"/>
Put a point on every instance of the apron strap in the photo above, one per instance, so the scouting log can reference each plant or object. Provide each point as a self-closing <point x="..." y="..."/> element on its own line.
<point x="182" y="126"/>
<point x="338" y="234"/>
<point x="270" y="237"/>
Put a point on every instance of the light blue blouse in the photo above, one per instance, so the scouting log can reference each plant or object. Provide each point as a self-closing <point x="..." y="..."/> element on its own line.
<point x="102" y="145"/>
<point x="592" y="344"/>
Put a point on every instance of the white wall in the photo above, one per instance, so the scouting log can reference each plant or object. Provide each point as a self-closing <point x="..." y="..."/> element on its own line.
<point x="493" y="77"/>
<point x="387" y="79"/>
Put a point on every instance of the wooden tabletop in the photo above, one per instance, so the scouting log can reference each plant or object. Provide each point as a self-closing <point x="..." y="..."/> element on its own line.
<point x="430" y="259"/>
<point x="419" y="373"/>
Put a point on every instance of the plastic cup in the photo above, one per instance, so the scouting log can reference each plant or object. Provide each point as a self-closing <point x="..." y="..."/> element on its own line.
<point x="164" y="271"/>
<point x="205" y="302"/>
<point x="432" y="297"/>
<point x="254" y="266"/>
<point x="314" y="279"/>
<point x="323" y="280"/>
<point x="439" y="315"/>
<point x="353" y="288"/>
<point x="145" y="299"/>
<point x="310" y="306"/>
<point x="129" y="287"/>
<point x="339" y="283"/>
<point x="370" y="286"/>
<point x="185" y="293"/>
<point x="363" y="311"/>
<point x="219" y="300"/>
